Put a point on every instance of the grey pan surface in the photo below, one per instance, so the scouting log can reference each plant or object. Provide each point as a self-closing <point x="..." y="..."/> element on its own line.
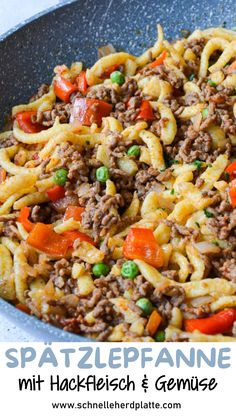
<point x="73" y="32"/>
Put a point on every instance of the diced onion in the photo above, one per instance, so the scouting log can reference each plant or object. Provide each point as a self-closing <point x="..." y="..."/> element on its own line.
<point x="206" y="247"/>
<point x="106" y="50"/>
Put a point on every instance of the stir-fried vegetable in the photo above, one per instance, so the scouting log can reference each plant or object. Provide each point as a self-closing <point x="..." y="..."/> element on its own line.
<point x="56" y="192"/>
<point x="60" y="177"/>
<point x="74" y="212"/>
<point x="117" y="77"/>
<point x="102" y="174"/>
<point x="81" y="82"/>
<point x="134" y="151"/>
<point x="89" y="111"/>
<point x="43" y="238"/>
<point x="145" y="305"/>
<point x="160" y="336"/>
<point x="153" y="323"/>
<point x="231" y="170"/>
<point x="100" y="269"/>
<point x="129" y="270"/>
<point x="159" y="60"/>
<point x="146" y="111"/>
<point x="24" y="120"/>
<point x="221" y="322"/>
<point x="24" y="219"/>
<point x="232" y="195"/>
<point x="73" y="235"/>
<point x="140" y="243"/>
<point x="63" y="88"/>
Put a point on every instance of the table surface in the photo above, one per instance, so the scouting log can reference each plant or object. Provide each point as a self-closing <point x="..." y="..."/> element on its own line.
<point x="13" y="12"/>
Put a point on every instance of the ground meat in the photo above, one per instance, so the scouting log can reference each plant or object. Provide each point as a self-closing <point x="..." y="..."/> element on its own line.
<point x="9" y="229"/>
<point x="127" y="221"/>
<point x="43" y="89"/>
<point x="47" y="118"/>
<point x="147" y="180"/>
<point x="171" y="274"/>
<point x="61" y="276"/>
<point x="8" y="142"/>
<point x="102" y="92"/>
<point x="101" y="217"/>
<point x="228" y="270"/>
<point x="224" y="221"/>
<point x="196" y="146"/>
<point x="196" y="312"/>
<point x="178" y="229"/>
<point x="191" y="98"/>
<point x="164" y="74"/>
<point x="196" y="45"/>
<point x="171" y="296"/>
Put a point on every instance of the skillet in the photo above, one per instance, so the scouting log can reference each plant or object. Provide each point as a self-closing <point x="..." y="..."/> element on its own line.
<point x="73" y="32"/>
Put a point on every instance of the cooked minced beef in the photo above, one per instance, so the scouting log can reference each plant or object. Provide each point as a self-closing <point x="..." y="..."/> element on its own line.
<point x="43" y="89"/>
<point x="165" y="300"/>
<point x="147" y="180"/>
<point x="47" y="118"/>
<point x="8" y="142"/>
<point x="103" y="216"/>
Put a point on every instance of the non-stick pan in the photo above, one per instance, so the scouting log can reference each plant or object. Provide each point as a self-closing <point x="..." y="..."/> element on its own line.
<point x="74" y="32"/>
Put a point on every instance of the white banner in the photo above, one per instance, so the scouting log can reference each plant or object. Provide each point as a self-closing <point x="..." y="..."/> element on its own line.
<point x="73" y="380"/>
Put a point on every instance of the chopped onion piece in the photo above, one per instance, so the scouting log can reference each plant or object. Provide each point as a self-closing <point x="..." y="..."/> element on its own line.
<point x="206" y="247"/>
<point x="106" y="50"/>
<point x="197" y="302"/>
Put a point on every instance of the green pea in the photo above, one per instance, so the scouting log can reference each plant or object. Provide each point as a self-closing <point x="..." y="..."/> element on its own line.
<point x="100" y="269"/>
<point x="160" y="336"/>
<point x="60" y="177"/>
<point x="145" y="305"/>
<point x="102" y="174"/>
<point x="134" y="150"/>
<point x="117" y="77"/>
<point x="212" y="83"/>
<point x="205" y="113"/>
<point x="129" y="270"/>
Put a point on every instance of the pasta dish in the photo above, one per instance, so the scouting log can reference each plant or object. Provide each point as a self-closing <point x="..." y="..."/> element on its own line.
<point x="118" y="195"/>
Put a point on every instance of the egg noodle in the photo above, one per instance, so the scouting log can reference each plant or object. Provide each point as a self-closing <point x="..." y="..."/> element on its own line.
<point x="151" y="257"/>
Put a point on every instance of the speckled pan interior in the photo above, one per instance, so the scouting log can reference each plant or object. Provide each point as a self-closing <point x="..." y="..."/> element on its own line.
<point x="73" y="32"/>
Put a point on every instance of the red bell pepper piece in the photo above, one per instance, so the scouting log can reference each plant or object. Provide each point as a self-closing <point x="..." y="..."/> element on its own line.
<point x="71" y="236"/>
<point x="25" y="123"/>
<point x="159" y="60"/>
<point x="43" y="238"/>
<point x="56" y="192"/>
<point x="3" y="175"/>
<point x="231" y="170"/>
<point x="221" y="322"/>
<point x="24" y="219"/>
<point x="88" y="111"/>
<point x="232" y="195"/>
<point x="81" y="82"/>
<point x="63" y="88"/>
<point x="23" y="308"/>
<point x="146" y="111"/>
<point x="106" y="73"/>
<point x="140" y="243"/>
<point x="75" y="212"/>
